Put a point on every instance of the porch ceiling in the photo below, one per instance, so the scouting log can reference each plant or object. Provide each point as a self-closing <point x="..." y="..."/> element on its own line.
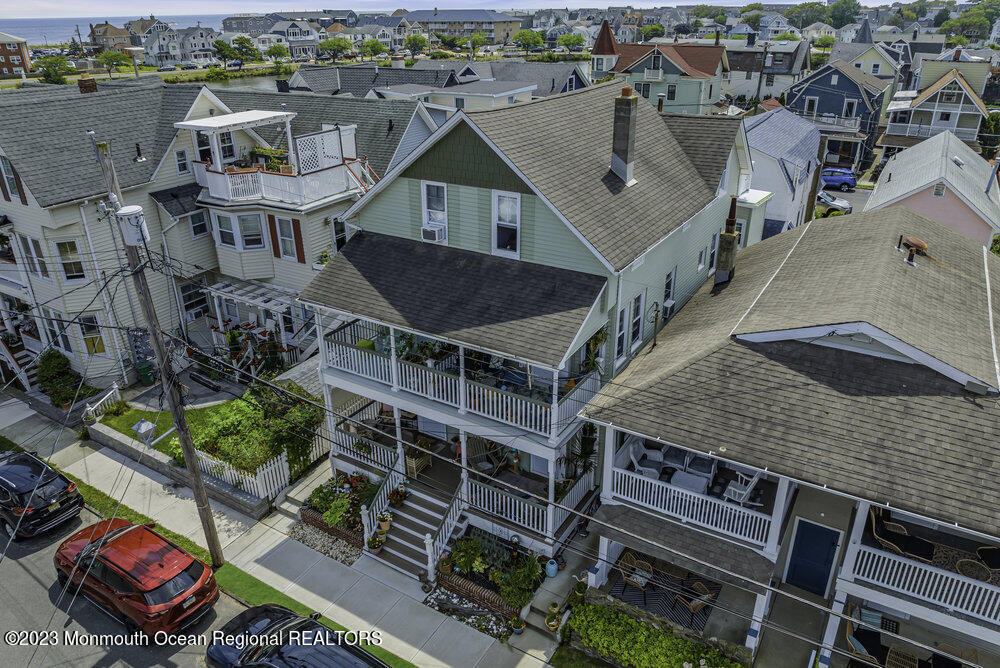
<point x="528" y="311"/>
<point x="616" y="520"/>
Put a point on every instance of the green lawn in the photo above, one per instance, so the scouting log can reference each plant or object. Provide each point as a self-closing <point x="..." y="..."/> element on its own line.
<point x="570" y="657"/>
<point x="196" y="418"/>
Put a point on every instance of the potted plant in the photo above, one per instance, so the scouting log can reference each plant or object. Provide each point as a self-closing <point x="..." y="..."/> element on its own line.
<point x="516" y="625"/>
<point x="552" y="621"/>
<point x="375" y="544"/>
<point x="398" y="496"/>
<point x="445" y="564"/>
<point x="384" y="520"/>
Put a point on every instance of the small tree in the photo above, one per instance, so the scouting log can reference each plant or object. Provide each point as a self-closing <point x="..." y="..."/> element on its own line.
<point x="957" y="40"/>
<point x="988" y="135"/>
<point x="112" y="60"/>
<point x="53" y="69"/>
<point x="223" y="50"/>
<point x="416" y="44"/>
<point x="245" y="49"/>
<point x="336" y="46"/>
<point x="528" y="39"/>
<point x="477" y="41"/>
<point x="373" y="48"/>
<point x="656" y="30"/>
<point x="752" y="20"/>
<point x="75" y="50"/>
<point x="787" y="36"/>
<point x="276" y="51"/>
<point x="942" y="15"/>
<point x="450" y="42"/>
<point x="571" y="40"/>
<point x="752" y="7"/>
<point x="825" y="42"/>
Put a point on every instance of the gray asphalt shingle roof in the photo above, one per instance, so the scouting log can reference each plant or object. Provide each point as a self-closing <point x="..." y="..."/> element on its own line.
<point x="381" y="123"/>
<point x="179" y="200"/>
<point x="784" y="135"/>
<point x="932" y="161"/>
<point x="473" y="15"/>
<point x="143" y="112"/>
<point x="549" y="77"/>
<point x="529" y="311"/>
<point x="868" y="426"/>
<point x="569" y="164"/>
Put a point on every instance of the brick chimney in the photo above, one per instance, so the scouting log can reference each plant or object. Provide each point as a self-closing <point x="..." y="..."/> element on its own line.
<point x="717" y="38"/>
<point x="623" y="140"/>
<point x="957" y="56"/>
<point x="87" y="84"/>
<point x="728" y="243"/>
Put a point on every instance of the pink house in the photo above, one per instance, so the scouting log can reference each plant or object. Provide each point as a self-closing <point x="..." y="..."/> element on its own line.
<point x="941" y="177"/>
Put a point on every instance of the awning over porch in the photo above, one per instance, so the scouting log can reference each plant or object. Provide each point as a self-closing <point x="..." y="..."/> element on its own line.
<point x="274" y="298"/>
<point x="178" y="201"/>
<point x="616" y="522"/>
<point x="527" y="311"/>
<point x="240" y="120"/>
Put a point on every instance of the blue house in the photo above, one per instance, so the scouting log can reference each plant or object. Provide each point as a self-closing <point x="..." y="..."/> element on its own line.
<point x="845" y="104"/>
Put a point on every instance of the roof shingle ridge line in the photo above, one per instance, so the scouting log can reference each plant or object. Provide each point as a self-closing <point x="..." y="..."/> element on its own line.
<point x="558" y="96"/>
<point x="754" y="302"/>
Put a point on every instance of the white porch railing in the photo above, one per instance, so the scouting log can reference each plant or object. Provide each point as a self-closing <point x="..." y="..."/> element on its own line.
<point x="381" y="500"/>
<point x="431" y="383"/>
<point x="435" y="545"/>
<point x="652" y="75"/>
<point x="364" y="450"/>
<point x="928" y="583"/>
<point x="97" y="409"/>
<point x="908" y="130"/>
<point x="503" y="504"/>
<point x="363" y="362"/>
<point x="508" y="407"/>
<point x="255" y="183"/>
<point x="705" y="511"/>
<point x="31" y="343"/>
<point x="573" y="498"/>
<point x="574" y="400"/>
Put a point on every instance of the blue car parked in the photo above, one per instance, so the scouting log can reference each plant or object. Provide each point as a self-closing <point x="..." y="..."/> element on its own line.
<point x="838" y="177"/>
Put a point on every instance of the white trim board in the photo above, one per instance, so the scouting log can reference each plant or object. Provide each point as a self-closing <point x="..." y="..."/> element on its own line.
<point x="883" y="337"/>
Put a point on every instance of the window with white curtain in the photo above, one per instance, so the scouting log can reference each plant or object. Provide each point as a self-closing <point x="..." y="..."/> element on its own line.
<point x="506" y="223"/>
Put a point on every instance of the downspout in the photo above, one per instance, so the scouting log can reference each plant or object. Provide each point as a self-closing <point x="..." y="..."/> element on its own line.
<point x="104" y="294"/>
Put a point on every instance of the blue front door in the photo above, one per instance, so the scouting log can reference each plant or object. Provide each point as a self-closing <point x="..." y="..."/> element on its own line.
<point x="812" y="557"/>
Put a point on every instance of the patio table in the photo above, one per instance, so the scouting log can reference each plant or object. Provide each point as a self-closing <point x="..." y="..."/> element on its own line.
<point x="689" y="481"/>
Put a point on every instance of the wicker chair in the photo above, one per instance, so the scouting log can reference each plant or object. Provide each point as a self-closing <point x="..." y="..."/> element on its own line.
<point x="695" y="603"/>
<point x="894" y="538"/>
<point x="990" y="556"/>
<point x="864" y="643"/>
<point x="635" y="572"/>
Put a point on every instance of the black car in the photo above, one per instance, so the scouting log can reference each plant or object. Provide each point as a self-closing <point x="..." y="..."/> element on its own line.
<point x="271" y="635"/>
<point x="54" y="501"/>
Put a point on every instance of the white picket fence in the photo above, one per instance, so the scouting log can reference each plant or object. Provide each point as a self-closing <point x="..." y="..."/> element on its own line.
<point x="112" y="395"/>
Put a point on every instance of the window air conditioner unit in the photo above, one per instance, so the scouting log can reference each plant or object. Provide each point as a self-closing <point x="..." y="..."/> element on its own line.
<point x="433" y="232"/>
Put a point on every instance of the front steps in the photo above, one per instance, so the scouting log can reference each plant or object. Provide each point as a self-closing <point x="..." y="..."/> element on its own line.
<point x="421" y="514"/>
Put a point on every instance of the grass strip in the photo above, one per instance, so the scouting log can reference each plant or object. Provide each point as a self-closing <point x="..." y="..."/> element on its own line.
<point x="234" y="581"/>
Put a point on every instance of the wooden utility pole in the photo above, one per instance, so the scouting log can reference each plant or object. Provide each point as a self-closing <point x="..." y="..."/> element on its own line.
<point x="133" y="229"/>
<point x="814" y="186"/>
<point x="760" y="77"/>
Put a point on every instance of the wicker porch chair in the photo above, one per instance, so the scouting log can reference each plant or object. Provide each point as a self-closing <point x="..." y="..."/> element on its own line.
<point x="894" y="538"/>
<point x="695" y="603"/>
<point x="864" y="643"/>
<point x="635" y="572"/>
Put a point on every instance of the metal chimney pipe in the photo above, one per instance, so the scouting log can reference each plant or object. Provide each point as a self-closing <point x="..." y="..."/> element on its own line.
<point x="660" y="97"/>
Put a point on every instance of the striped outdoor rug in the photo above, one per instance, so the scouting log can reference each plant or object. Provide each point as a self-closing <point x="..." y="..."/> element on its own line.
<point x="660" y="599"/>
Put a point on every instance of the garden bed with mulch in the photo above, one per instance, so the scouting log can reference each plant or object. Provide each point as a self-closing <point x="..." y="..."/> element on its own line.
<point x="489" y="598"/>
<point x="315" y="520"/>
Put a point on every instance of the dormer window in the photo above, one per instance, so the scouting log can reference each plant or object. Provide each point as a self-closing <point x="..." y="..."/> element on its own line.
<point x="657" y="62"/>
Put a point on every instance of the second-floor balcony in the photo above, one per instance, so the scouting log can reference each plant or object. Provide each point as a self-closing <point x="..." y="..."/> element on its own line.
<point x="652" y="75"/>
<point x="503" y="389"/>
<point x="929" y="130"/>
<point x="312" y="167"/>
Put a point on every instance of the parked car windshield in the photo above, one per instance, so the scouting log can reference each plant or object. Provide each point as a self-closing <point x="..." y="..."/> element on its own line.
<point x="176" y="586"/>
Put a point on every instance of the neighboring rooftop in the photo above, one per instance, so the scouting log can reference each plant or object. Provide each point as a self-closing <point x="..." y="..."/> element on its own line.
<point x="8" y="38"/>
<point x="867" y="425"/>
<point x="357" y="80"/>
<point x="934" y="161"/>
<point x="470" y="15"/>
<point x="785" y="136"/>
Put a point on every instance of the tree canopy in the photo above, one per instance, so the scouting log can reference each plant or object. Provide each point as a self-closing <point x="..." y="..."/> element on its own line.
<point x="807" y="13"/>
<point x="752" y="7"/>
<point x="753" y="20"/>
<point x="53" y="69"/>
<point x="223" y="50"/>
<point x="112" y="60"/>
<point x="245" y="49"/>
<point x="276" y="51"/>
<point x="528" y="39"/>
<point x="477" y="40"/>
<point x="570" y="40"/>
<point x="336" y="46"/>
<point x="416" y="44"/>
<point x="843" y="12"/>
<point x="373" y="47"/>
<point x="825" y="42"/>
<point x="651" y="31"/>
<point x="704" y="11"/>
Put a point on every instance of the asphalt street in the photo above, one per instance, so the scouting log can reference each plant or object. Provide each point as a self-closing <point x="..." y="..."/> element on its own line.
<point x="28" y="593"/>
<point x="857" y="197"/>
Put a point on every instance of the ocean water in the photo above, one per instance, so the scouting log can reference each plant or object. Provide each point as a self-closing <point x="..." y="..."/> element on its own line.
<point x="55" y="31"/>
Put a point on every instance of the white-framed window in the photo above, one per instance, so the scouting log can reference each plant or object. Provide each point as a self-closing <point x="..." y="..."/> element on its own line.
<point x="33" y="257"/>
<point x="228" y="146"/>
<point x="642" y="89"/>
<point x="571" y="84"/>
<point x="713" y="251"/>
<point x="69" y="257"/>
<point x="55" y="326"/>
<point x="9" y="178"/>
<point x="834" y="78"/>
<point x="636" y="319"/>
<point x="850" y="108"/>
<point x="620" y="334"/>
<point x="701" y="258"/>
<point x="16" y="60"/>
<point x="459" y="103"/>
<point x="672" y="92"/>
<point x="227" y="234"/>
<point x="286" y="238"/>
<point x="193" y="298"/>
<point x="230" y="309"/>
<point x="669" y="288"/>
<point x="939" y="190"/>
<point x="506" y="223"/>
<point x="656" y="62"/>
<point x="875" y="68"/>
<point x="434" y="198"/>
<point x="251" y="231"/>
<point x="90" y="330"/>
<point x="741" y="229"/>
<point x="199" y="224"/>
<point x="181" y="160"/>
<point x="811" y="104"/>
<point x="339" y="233"/>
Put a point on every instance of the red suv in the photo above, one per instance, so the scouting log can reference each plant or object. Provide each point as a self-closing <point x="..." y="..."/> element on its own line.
<point x="138" y="576"/>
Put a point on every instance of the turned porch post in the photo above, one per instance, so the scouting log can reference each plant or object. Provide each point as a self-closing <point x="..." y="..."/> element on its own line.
<point x="400" y="450"/>
<point x="394" y="367"/>
<point x="551" y="515"/>
<point x="462" y="396"/>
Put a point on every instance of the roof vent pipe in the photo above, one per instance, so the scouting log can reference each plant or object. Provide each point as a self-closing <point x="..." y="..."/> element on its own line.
<point x="659" y="101"/>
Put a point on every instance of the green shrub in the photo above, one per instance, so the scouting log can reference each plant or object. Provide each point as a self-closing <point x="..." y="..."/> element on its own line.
<point x="216" y="74"/>
<point x="57" y="380"/>
<point x="119" y="407"/>
<point x="518" y="581"/>
<point x="467" y="555"/>
<point x="337" y="512"/>
<point x="629" y="642"/>
<point x="438" y="55"/>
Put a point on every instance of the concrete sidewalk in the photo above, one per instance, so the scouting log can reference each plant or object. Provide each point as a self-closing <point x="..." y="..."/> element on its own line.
<point x="365" y="596"/>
